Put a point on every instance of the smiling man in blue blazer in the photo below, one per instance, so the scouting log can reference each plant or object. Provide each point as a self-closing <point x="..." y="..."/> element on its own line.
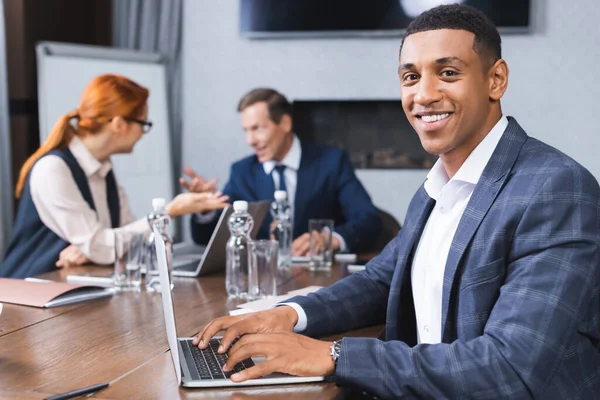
<point x="320" y="180"/>
<point x="491" y="290"/>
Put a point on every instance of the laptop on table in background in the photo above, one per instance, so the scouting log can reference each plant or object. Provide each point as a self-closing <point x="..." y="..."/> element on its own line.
<point x="192" y="260"/>
<point x="202" y="368"/>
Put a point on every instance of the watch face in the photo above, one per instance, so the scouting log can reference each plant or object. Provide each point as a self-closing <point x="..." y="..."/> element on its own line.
<point x="336" y="350"/>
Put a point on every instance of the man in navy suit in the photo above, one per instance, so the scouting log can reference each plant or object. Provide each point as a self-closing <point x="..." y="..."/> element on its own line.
<point x="491" y="290"/>
<point x="319" y="180"/>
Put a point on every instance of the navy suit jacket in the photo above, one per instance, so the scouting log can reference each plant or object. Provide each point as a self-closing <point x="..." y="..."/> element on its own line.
<point x="326" y="188"/>
<point x="521" y="295"/>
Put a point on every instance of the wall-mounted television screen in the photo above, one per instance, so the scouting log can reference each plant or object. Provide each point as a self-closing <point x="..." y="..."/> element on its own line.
<point x="317" y="18"/>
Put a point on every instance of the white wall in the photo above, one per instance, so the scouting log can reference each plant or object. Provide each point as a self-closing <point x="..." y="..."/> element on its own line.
<point x="553" y="89"/>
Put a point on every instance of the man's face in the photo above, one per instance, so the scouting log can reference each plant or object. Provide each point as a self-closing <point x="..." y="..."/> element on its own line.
<point x="445" y="91"/>
<point x="268" y="139"/>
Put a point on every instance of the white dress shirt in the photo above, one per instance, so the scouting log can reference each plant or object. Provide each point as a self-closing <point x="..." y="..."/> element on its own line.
<point x="451" y="198"/>
<point x="429" y="264"/>
<point x="64" y="211"/>
<point x="291" y="161"/>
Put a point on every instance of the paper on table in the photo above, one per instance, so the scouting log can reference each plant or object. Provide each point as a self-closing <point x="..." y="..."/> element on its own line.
<point x="240" y="311"/>
<point x="345" y="257"/>
<point x="269" y="302"/>
<point x="300" y="259"/>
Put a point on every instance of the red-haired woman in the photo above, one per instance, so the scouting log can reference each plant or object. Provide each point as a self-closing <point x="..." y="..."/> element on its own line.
<point x="69" y="198"/>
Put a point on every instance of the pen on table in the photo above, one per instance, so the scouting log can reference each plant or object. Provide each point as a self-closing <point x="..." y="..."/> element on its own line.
<point x="78" y="392"/>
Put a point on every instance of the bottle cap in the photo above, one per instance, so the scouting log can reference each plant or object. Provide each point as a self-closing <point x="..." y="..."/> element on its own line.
<point x="158" y="203"/>
<point x="240" y="205"/>
<point x="280" y="195"/>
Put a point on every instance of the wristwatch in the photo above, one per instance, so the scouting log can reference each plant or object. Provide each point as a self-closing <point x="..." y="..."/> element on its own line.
<point x="334" y="351"/>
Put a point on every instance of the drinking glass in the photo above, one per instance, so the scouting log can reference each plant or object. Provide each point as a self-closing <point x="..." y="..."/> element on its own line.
<point x="263" y="269"/>
<point x="320" y="253"/>
<point x="129" y="254"/>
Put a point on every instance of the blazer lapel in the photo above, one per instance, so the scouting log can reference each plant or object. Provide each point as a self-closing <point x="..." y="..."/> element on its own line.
<point x="492" y="179"/>
<point x="400" y="306"/>
<point x="264" y="183"/>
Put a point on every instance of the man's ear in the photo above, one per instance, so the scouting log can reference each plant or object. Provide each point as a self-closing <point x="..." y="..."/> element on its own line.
<point x="286" y="123"/>
<point x="498" y="78"/>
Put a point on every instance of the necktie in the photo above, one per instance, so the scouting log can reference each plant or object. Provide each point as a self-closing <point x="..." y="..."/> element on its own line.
<point x="280" y="169"/>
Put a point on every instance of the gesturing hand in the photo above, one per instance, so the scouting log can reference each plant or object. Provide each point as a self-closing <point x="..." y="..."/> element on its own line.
<point x="192" y="203"/>
<point x="285" y="352"/>
<point x="281" y="318"/>
<point x="197" y="184"/>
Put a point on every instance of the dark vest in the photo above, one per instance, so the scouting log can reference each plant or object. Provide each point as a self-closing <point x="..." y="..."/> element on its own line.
<point x="34" y="248"/>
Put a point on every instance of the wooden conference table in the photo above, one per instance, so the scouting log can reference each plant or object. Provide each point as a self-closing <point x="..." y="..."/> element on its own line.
<point x="122" y="340"/>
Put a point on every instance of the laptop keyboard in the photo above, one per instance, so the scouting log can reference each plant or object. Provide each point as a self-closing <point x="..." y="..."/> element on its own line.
<point x="209" y="363"/>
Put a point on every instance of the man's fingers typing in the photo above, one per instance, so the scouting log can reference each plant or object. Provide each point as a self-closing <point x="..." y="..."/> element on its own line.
<point x="246" y="347"/>
<point x="230" y="334"/>
<point x="240" y="328"/>
<point x="261" y="369"/>
<point x="211" y="330"/>
<point x="200" y="339"/>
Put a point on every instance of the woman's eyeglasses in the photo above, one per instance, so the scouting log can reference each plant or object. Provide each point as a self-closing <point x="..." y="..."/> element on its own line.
<point x="146" y="125"/>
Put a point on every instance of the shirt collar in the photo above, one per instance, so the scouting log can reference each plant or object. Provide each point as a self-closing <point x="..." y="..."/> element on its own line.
<point x="471" y="170"/>
<point x="291" y="159"/>
<point x="86" y="160"/>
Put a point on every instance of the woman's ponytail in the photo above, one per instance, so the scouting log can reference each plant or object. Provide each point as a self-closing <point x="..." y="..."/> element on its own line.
<point x="59" y="138"/>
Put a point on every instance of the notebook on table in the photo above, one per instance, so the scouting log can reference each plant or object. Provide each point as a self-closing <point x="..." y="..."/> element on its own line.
<point x="48" y="294"/>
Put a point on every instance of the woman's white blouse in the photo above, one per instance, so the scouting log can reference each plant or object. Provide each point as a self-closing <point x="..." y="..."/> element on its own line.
<point x="62" y="208"/>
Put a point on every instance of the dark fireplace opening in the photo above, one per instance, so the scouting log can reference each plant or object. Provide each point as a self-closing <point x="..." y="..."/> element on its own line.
<point x="375" y="133"/>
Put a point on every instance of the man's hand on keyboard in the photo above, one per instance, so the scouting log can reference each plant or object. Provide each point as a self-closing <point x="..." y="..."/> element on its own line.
<point x="276" y="319"/>
<point x="285" y="352"/>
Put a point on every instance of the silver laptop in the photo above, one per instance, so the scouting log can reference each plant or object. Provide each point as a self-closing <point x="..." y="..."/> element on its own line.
<point x="202" y="368"/>
<point x="193" y="260"/>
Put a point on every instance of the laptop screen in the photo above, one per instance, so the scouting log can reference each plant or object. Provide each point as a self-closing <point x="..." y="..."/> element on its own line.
<point x="167" y="301"/>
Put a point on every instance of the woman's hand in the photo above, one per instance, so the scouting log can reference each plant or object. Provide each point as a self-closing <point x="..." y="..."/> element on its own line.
<point x="193" y="203"/>
<point x="71" y="257"/>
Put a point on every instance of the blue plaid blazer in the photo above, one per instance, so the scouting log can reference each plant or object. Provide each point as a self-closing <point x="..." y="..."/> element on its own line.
<point x="521" y="296"/>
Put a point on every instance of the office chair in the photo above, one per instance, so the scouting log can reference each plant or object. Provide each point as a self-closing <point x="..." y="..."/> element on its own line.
<point x="389" y="230"/>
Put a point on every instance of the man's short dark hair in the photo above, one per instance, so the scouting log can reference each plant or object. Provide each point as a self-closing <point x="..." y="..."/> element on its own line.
<point x="487" y="42"/>
<point x="277" y="104"/>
